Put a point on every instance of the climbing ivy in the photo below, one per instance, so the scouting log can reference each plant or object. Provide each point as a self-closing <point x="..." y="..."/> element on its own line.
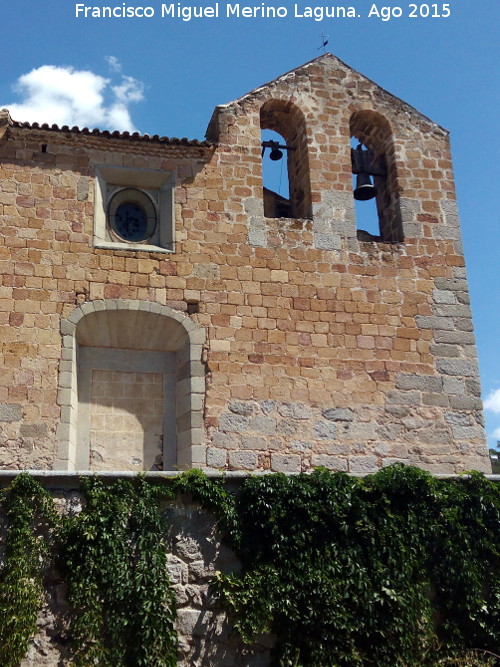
<point x="212" y="494"/>
<point x="394" y="569"/>
<point x="397" y="569"/>
<point x="114" y="556"/>
<point x="31" y="520"/>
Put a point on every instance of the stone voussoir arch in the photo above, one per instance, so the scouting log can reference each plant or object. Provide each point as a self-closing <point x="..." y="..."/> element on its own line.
<point x="133" y="327"/>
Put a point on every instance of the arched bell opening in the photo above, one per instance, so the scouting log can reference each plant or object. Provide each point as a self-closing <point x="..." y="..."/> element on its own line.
<point x="287" y="188"/>
<point x="275" y="181"/>
<point x="365" y="193"/>
<point x="375" y="187"/>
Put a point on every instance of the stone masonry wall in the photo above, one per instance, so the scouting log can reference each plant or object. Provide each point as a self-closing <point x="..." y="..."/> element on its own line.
<point x="206" y="638"/>
<point x="322" y="349"/>
<point x="196" y="552"/>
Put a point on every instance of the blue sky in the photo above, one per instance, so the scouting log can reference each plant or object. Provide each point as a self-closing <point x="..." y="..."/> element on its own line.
<point x="164" y="76"/>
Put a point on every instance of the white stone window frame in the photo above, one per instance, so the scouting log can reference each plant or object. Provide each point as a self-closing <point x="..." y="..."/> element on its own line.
<point x="190" y="390"/>
<point x="157" y="184"/>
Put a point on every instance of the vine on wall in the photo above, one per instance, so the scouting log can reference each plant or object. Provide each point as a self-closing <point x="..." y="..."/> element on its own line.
<point x="114" y="557"/>
<point x="396" y="569"/>
<point x="21" y="583"/>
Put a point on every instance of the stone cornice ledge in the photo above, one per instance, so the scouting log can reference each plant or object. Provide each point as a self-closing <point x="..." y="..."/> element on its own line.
<point x="71" y="478"/>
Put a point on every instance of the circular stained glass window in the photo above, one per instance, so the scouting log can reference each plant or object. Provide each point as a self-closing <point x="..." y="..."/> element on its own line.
<point x="132" y="215"/>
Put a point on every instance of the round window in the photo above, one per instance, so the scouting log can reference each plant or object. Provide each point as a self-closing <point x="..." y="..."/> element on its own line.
<point x="132" y="215"/>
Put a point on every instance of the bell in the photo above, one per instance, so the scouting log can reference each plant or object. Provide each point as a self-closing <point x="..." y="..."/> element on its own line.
<point x="365" y="189"/>
<point x="276" y="154"/>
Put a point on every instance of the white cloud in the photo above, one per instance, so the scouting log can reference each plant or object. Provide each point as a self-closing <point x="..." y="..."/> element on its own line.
<point x="492" y="402"/>
<point x="114" y="63"/>
<point x="496" y="434"/>
<point x="66" y="96"/>
<point x="130" y="90"/>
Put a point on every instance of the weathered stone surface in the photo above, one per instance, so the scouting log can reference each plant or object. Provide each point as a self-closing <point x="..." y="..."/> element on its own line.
<point x="243" y="460"/>
<point x="389" y="461"/>
<point x="257" y="237"/>
<point x="435" y="399"/>
<point x="457" y="367"/>
<point x="451" y="284"/>
<point x="34" y="430"/>
<point x="455" y="337"/>
<point x="473" y="387"/>
<point x="338" y="414"/>
<point x="444" y="296"/>
<point x="399" y="450"/>
<point x="330" y="462"/>
<point x="421" y="382"/>
<point x="445" y="350"/>
<point x="338" y="449"/>
<point x="286" y="427"/>
<point x="181" y="595"/>
<point x="397" y="411"/>
<point x="434" y="322"/>
<point x="390" y="432"/>
<point x="435" y="434"/>
<point x="362" y="431"/>
<point x="466" y="403"/>
<point x="479" y="417"/>
<point x="82" y="189"/>
<point x="177" y="570"/>
<point x="285" y="463"/>
<point x="240" y="408"/>
<point x="301" y="446"/>
<point x="438" y="468"/>
<point x="233" y="423"/>
<point x="467" y="432"/>
<point x="268" y="406"/>
<point x="456" y="310"/>
<point x="254" y="442"/>
<point x="263" y="425"/>
<point x="11" y="412"/>
<point x="216" y="458"/>
<point x="226" y="440"/>
<point x="325" y="430"/>
<point x="458" y="418"/>
<point x="327" y="242"/>
<point x="193" y="622"/>
<point x="404" y="397"/>
<point x="295" y="411"/>
<point x="363" y="464"/>
<point x="453" y="385"/>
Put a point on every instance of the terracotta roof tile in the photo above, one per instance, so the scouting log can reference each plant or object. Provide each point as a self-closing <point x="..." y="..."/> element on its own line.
<point x="106" y="134"/>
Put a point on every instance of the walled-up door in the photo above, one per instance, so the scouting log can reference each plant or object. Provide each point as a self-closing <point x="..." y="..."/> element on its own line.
<point x="126" y="409"/>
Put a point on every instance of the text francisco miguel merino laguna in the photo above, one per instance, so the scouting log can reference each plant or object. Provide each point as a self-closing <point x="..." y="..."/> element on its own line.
<point x="229" y="10"/>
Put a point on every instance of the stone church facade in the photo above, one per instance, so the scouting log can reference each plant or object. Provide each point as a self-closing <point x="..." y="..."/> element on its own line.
<point x="157" y="314"/>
